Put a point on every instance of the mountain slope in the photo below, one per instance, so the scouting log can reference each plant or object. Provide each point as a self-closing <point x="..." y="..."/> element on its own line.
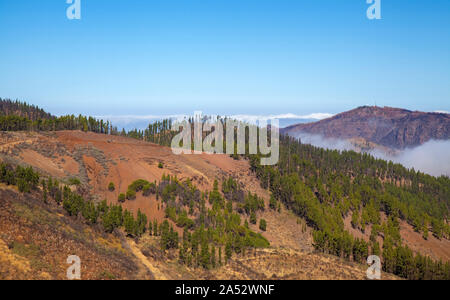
<point x="29" y="226"/>
<point x="36" y="240"/>
<point x="390" y="127"/>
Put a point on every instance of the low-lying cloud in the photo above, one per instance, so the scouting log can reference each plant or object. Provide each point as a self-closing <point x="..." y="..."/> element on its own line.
<point x="141" y="121"/>
<point x="432" y="158"/>
<point x="326" y="143"/>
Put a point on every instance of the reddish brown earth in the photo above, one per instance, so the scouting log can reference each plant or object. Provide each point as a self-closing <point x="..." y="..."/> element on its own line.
<point x="36" y="240"/>
<point x="99" y="159"/>
<point x="432" y="247"/>
<point x="390" y="127"/>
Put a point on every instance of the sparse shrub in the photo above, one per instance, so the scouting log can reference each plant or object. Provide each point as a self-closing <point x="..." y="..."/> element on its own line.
<point x="23" y="186"/>
<point x="253" y="219"/>
<point x="74" y="181"/>
<point x="138" y="185"/>
<point x="171" y="213"/>
<point x="146" y="190"/>
<point x="263" y="225"/>
<point x="111" y="187"/>
<point x="273" y="203"/>
<point x="160" y="165"/>
<point x="122" y="198"/>
<point x="184" y="221"/>
<point x="149" y="189"/>
<point x="131" y="194"/>
<point x="106" y="274"/>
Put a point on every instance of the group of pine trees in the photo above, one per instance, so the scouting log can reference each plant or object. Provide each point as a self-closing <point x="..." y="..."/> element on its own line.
<point x="24" y="178"/>
<point x="21" y="109"/>
<point x="19" y="116"/>
<point x="211" y="233"/>
<point x="321" y="186"/>
<point x="325" y="186"/>
<point x="208" y="230"/>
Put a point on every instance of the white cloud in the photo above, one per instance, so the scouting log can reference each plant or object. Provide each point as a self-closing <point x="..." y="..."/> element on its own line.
<point x="442" y="112"/>
<point x="314" y="116"/>
<point x="432" y="157"/>
<point x="126" y="119"/>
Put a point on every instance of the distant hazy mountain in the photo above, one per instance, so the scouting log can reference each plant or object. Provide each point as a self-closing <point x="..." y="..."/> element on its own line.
<point x="389" y="127"/>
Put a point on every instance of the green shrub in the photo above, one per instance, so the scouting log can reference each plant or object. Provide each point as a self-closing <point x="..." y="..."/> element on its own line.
<point x="263" y="225"/>
<point x="253" y="219"/>
<point x="74" y="181"/>
<point x="184" y="221"/>
<point x="171" y="213"/>
<point x="111" y="187"/>
<point x="122" y="198"/>
<point x="23" y="186"/>
<point x="160" y="165"/>
<point x="256" y="240"/>
<point x="149" y="189"/>
<point x="131" y="194"/>
<point x="138" y="185"/>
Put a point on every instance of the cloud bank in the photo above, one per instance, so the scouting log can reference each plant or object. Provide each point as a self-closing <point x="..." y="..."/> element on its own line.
<point x="142" y="121"/>
<point x="131" y="118"/>
<point x="432" y="158"/>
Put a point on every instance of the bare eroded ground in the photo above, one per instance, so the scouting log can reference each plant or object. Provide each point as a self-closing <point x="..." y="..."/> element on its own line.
<point x="99" y="159"/>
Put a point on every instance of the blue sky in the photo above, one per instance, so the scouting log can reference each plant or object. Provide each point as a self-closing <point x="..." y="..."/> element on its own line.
<point x="158" y="57"/>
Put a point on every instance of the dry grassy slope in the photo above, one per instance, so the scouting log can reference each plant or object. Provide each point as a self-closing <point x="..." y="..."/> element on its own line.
<point x="36" y="240"/>
<point x="433" y="247"/>
<point x="99" y="159"/>
<point x="261" y="264"/>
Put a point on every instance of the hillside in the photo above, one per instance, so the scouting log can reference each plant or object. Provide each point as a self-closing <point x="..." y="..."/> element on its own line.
<point x="36" y="237"/>
<point x="98" y="159"/>
<point x="385" y="126"/>
<point x="36" y="240"/>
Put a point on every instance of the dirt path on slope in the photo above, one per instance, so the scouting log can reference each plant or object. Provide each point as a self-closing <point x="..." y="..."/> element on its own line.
<point x="143" y="259"/>
<point x="7" y="146"/>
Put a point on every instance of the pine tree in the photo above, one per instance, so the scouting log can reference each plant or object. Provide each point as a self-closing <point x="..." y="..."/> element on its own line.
<point x="44" y="192"/>
<point x="228" y="252"/>
<point x="150" y="227"/>
<point x="155" y="228"/>
<point x="213" y="256"/>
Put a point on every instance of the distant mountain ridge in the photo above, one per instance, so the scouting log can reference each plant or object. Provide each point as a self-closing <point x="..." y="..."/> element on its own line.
<point x="390" y="127"/>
